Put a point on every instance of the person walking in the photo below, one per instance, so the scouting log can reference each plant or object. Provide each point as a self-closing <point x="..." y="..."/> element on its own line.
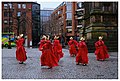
<point x="72" y="47"/>
<point x="101" y="51"/>
<point x="47" y="58"/>
<point x="20" y="51"/>
<point x="82" y="55"/>
<point x="57" y="48"/>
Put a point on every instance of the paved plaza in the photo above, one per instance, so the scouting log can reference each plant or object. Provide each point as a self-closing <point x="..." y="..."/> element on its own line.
<point x="67" y="68"/>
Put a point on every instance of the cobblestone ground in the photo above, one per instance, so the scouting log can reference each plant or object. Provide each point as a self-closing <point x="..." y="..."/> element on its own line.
<point x="67" y="68"/>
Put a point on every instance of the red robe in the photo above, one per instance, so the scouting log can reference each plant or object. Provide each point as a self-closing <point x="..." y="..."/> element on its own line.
<point x="57" y="48"/>
<point x="101" y="51"/>
<point x="42" y="42"/>
<point x="72" y="47"/>
<point x="20" y="51"/>
<point x="48" y="58"/>
<point x="82" y="56"/>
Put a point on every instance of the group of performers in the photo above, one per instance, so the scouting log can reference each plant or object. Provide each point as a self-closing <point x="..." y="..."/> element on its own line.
<point x="81" y="52"/>
<point x="52" y="52"/>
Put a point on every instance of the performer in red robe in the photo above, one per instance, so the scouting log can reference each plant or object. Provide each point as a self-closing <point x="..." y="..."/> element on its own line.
<point x="42" y="42"/>
<point x="82" y="56"/>
<point x="72" y="47"/>
<point x="20" y="51"/>
<point x="57" y="48"/>
<point x="48" y="58"/>
<point x="101" y="51"/>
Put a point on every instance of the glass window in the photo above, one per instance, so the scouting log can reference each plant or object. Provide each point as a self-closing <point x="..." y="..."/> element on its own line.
<point x="10" y="14"/>
<point x="5" y="21"/>
<point x="105" y="8"/>
<point x="5" y="6"/>
<point x="6" y="29"/>
<point x="5" y="14"/>
<point x="10" y="5"/>
<point x="58" y="12"/>
<point x="11" y="22"/>
<point x="23" y="6"/>
<point x="69" y="6"/>
<point x="69" y="15"/>
<point x="19" y="5"/>
<point x="18" y="13"/>
<point x="69" y="22"/>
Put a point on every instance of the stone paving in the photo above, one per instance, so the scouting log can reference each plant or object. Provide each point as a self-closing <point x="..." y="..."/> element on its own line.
<point x="67" y="68"/>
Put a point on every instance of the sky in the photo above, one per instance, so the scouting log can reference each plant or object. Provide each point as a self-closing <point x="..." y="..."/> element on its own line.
<point x="51" y="5"/>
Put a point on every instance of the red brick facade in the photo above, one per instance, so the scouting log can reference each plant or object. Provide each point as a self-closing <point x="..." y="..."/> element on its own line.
<point x="10" y="12"/>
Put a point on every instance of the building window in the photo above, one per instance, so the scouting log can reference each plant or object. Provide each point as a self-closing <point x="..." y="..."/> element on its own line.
<point x="60" y="12"/>
<point x="10" y="5"/>
<point x="5" y="14"/>
<point x="69" y="6"/>
<point x="5" y="22"/>
<point x="106" y="8"/>
<point x="69" y="15"/>
<point x="69" y="22"/>
<point x="11" y="22"/>
<point x="23" y="6"/>
<point x="19" y="5"/>
<point x="69" y="30"/>
<point x="5" y="6"/>
<point x="18" y="14"/>
<point x="6" y="29"/>
<point x="10" y="14"/>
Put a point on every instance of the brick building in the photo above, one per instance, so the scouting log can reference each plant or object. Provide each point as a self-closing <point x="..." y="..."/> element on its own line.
<point x="63" y="20"/>
<point x="22" y="17"/>
<point x="89" y="19"/>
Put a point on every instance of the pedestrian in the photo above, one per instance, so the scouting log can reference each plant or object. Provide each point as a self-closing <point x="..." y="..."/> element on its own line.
<point x="82" y="55"/>
<point x="57" y="48"/>
<point x="20" y="51"/>
<point x="101" y="51"/>
<point x="47" y="58"/>
<point x="63" y="41"/>
<point x="72" y="47"/>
